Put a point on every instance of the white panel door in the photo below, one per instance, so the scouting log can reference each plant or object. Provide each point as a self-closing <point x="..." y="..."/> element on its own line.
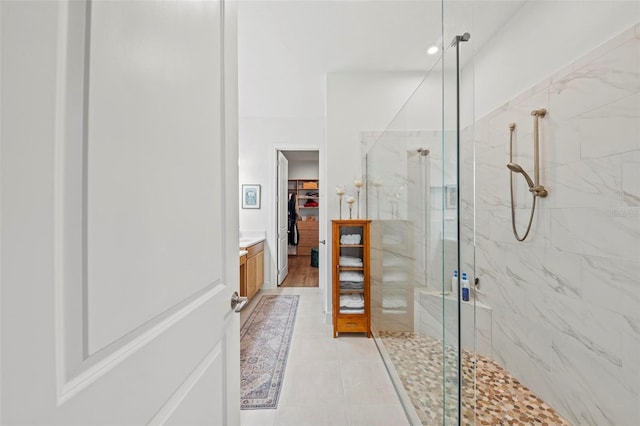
<point x="119" y="237"/>
<point x="283" y="218"/>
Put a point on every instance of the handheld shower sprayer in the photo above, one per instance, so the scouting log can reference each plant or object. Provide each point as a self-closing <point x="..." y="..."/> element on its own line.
<point x="517" y="168"/>
<point x="535" y="188"/>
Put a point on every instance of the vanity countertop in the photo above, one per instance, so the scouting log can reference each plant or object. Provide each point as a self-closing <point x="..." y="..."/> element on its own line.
<point x="249" y="241"/>
<point x="243" y="252"/>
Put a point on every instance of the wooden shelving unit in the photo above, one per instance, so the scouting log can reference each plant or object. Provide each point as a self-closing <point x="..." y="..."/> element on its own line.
<point x="351" y="305"/>
<point x="308" y="225"/>
<point x="303" y="188"/>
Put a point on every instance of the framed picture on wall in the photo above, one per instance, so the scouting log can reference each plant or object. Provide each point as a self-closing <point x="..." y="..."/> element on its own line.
<point x="450" y="197"/>
<point x="250" y="196"/>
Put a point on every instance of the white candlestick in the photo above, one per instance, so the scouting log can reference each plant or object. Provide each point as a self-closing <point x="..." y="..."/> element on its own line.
<point x="340" y="191"/>
<point x="350" y="200"/>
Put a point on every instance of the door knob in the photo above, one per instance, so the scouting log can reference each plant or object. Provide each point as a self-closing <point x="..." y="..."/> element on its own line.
<point x="323" y="241"/>
<point x="237" y="302"/>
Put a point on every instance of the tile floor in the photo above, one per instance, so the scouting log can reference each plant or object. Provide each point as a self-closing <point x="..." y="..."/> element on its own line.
<point x="500" y="398"/>
<point x="343" y="381"/>
<point x="329" y="381"/>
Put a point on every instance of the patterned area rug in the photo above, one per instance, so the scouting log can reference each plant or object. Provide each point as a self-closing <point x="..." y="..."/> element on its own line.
<point x="265" y="338"/>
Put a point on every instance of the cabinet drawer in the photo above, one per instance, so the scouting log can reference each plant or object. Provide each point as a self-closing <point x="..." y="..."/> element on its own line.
<point x="352" y="323"/>
<point x="255" y="249"/>
<point x="308" y="240"/>
<point x="308" y="225"/>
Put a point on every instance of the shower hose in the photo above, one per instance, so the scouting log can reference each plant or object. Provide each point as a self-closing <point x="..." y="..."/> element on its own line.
<point x="512" y="128"/>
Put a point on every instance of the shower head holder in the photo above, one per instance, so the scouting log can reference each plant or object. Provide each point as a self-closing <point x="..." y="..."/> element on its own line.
<point x="535" y="188"/>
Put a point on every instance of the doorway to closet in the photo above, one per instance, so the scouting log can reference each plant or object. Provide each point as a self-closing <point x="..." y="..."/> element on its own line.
<point x="303" y="218"/>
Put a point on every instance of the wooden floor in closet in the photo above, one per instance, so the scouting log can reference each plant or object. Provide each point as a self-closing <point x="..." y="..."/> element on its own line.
<point x="301" y="273"/>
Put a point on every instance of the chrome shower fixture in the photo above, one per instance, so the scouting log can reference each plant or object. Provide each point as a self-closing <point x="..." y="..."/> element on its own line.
<point x="535" y="188"/>
<point x="457" y="39"/>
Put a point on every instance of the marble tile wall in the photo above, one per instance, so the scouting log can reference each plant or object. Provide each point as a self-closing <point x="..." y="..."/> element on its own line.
<point x="401" y="185"/>
<point x="432" y="311"/>
<point x="566" y="302"/>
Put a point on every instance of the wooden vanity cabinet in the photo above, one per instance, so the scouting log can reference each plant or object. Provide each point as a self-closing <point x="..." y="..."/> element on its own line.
<point x="254" y="269"/>
<point x="243" y="275"/>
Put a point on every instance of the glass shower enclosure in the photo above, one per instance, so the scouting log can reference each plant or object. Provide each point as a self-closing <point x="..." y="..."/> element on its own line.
<point x="422" y="231"/>
<point x="542" y="330"/>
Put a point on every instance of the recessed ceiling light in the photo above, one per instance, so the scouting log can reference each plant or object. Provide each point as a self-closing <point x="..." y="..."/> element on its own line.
<point x="432" y="50"/>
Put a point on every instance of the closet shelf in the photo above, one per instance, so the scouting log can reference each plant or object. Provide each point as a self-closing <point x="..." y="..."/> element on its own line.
<point x="307" y="223"/>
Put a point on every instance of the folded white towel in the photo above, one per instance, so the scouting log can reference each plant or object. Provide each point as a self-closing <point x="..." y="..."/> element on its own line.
<point x="351" y="311"/>
<point x="350" y="261"/>
<point x="353" y="307"/>
<point x="349" y="285"/>
<point x="352" y="301"/>
<point x="359" y="305"/>
<point x="353" y="276"/>
<point x="350" y="239"/>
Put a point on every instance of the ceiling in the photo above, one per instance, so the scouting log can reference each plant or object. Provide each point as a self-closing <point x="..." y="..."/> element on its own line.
<point x="286" y="48"/>
<point x="301" y="155"/>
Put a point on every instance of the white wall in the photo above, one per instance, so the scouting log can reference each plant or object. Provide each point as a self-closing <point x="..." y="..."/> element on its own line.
<point x="355" y="102"/>
<point x="283" y="87"/>
<point x="259" y="140"/>
<point x="358" y="102"/>
<point x="540" y="39"/>
<point x="277" y="110"/>
<point x="303" y="169"/>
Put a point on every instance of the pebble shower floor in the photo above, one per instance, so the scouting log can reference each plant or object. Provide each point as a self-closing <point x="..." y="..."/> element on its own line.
<point x="501" y="399"/>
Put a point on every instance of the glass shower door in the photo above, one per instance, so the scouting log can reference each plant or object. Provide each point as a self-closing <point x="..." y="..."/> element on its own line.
<point x="459" y="310"/>
<point x="420" y="197"/>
